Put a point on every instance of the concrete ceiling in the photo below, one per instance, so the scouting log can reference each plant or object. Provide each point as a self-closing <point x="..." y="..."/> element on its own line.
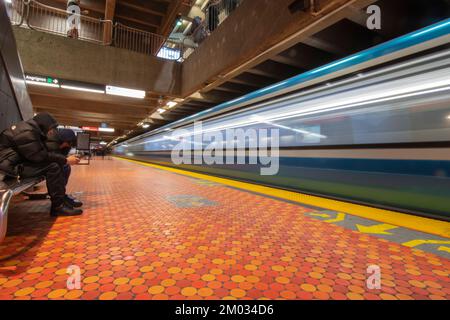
<point x="346" y="36"/>
<point x="279" y="63"/>
<point x="157" y="16"/>
<point x="77" y="108"/>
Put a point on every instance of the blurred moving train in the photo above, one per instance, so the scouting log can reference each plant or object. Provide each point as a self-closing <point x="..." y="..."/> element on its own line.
<point x="380" y="138"/>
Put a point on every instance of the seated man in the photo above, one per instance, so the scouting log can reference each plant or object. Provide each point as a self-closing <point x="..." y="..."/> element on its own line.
<point x="62" y="141"/>
<point x="23" y="154"/>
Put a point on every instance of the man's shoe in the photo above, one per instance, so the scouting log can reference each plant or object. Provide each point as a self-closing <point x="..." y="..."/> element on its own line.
<point x="71" y="201"/>
<point x="65" y="211"/>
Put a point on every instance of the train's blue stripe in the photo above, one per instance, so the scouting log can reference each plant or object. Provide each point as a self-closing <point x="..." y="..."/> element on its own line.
<point x="431" y="168"/>
<point x="410" y="167"/>
<point x="426" y="34"/>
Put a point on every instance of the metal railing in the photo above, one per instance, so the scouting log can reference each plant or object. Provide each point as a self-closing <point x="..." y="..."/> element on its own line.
<point x="16" y="9"/>
<point x="41" y="17"/>
<point x="147" y="43"/>
<point x="218" y="10"/>
<point x="137" y="40"/>
<point x="215" y="12"/>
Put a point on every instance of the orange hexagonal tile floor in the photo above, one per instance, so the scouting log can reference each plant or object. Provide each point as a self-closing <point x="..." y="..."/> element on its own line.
<point x="152" y="234"/>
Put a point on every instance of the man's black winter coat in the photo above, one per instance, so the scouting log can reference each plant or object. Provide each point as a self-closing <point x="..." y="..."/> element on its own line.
<point x="25" y="142"/>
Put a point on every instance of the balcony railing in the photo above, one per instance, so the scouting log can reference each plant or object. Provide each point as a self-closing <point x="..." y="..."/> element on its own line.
<point x="214" y="13"/>
<point x="15" y="11"/>
<point x="40" y="17"/>
<point x="218" y="10"/>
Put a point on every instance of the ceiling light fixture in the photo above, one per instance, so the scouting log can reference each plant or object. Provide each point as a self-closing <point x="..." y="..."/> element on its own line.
<point x="171" y="104"/>
<point x="81" y="89"/>
<point x="125" y="92"/>
<point x="106" y="129"/>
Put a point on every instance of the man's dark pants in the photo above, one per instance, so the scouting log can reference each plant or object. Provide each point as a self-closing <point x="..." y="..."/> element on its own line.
<point x="54" y="176"/>
<point x="66" y="171"/>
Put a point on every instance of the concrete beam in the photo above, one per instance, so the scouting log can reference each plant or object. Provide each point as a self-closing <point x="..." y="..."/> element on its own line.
<point x="148" y="102"/>
<point x="175" y="7"/>
<point x="70" y="105"/>
<point x="101" y="117"/>
<point x="60" y="57"/>
<point x="110" y="8"/>
<point x="253" y="80"/>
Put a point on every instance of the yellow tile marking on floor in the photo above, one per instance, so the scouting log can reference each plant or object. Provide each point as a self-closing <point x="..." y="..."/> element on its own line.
<point x="418" y="242"/>
<point x="444" y="248"/>
<point x="339" y="217"/>
<point x="427" y="225"/>
<point x="376" y="229"/>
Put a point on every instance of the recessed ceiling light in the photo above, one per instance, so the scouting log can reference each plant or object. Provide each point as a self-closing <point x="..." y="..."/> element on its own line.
<point x="171" y="104"/>
<point x="106" y="129"/>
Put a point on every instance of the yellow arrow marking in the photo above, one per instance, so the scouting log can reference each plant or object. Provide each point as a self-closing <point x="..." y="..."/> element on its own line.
<point x="415" y="243"/>
<point x="446" y="249"/>
<point x="339" y="217"/>
<point x="322" y="215"/>
<point x="376" y="229"/>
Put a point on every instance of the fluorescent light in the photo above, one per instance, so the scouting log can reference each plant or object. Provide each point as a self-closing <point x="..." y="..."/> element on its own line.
<point x="103" y="143"/>
<point x="81" y="89"/>
<point x="161" y="110"/>
<point x="125" y="92"/>
<point x="171" y="104"/>
<point x="145" y="126"/>
<point x="106" y="129"/>
<point x="43" y="84"/>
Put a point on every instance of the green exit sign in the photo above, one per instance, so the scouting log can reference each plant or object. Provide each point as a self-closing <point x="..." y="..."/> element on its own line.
<point x="52" y="80"/>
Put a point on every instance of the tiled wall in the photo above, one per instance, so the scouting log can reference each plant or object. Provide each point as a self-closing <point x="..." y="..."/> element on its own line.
<point x="15" y="103"/>
<point x="9" y="111"/>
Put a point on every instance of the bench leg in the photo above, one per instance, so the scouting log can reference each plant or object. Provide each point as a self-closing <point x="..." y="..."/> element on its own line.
<point x="6" y="198"/>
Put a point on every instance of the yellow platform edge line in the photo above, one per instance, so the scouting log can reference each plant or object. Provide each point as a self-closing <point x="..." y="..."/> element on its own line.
<point x="422" y="224"/>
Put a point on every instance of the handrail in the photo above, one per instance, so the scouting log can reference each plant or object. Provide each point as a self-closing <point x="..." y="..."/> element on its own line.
<point x="4" y="205"/>
<point x="16" y="10"/>
<point x="45" y="18"/>
<point x="42" y="17"/>
<point x="217" y="11"/>
<point x="146" y="42"/>
<point x="137" y="40"/>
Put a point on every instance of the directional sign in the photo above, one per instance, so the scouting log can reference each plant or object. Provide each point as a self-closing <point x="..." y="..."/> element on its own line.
<point x="339" y="217"/>
<point x="376" y="229"/>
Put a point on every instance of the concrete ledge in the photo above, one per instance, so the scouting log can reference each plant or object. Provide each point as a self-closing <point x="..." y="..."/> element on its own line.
<point x="60" y="57"/>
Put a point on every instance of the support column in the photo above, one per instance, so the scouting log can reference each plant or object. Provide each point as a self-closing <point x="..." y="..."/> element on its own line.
<point x="110" y="8"/>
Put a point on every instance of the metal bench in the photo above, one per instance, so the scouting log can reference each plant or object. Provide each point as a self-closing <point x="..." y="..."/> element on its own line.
<point x="8" y="189"/>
